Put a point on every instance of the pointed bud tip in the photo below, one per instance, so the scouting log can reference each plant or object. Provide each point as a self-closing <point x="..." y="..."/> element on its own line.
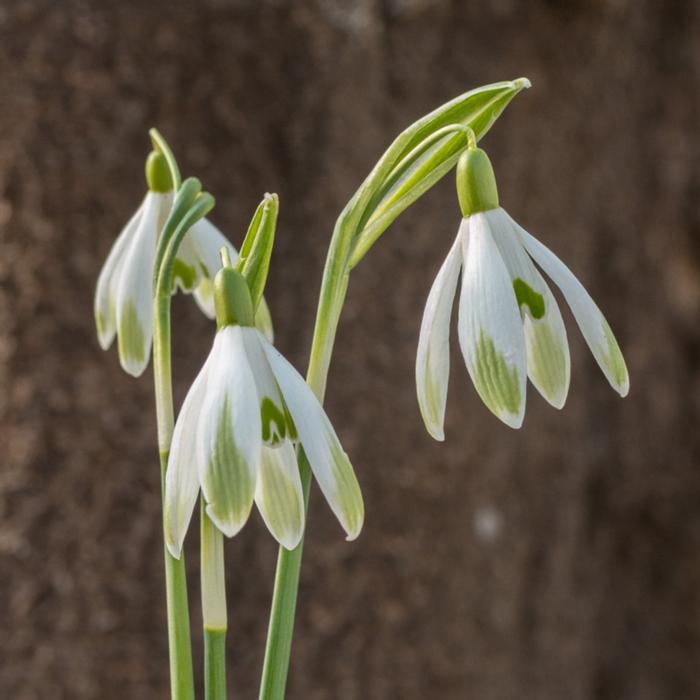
<point x="522" y="83"/>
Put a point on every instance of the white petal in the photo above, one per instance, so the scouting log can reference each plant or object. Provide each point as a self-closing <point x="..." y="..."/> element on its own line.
<point x="327" y="459"/>
<point x="594" y="327"/>
<point x="546" y="344"/>
<point x="279" y="495"/>
<point x="433" y="356"/>
<point x="135" y="290"/>
<point x="229" y="434"/>
<point x="275" y="422"/>
<point x="105" y="293"/>
<point x="490" y="329"/>
<point x="182" y="475"/>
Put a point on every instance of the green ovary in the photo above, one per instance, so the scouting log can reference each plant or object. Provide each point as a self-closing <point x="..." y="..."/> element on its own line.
<point x="132" y="339"/>
<point x="496" y="383"/>
<point x="527" y="296"/>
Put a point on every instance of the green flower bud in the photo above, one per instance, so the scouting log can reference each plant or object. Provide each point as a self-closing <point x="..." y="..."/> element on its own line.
<point x="476" y="183"/>
<point x="158" y="173"/>
<point x="232" y="301"/>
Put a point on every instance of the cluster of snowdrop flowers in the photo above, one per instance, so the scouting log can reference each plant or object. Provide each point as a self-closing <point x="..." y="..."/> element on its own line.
<point x="510" y="327"/>
<point x="236" y="432"/>
<point x="124" y="294"/>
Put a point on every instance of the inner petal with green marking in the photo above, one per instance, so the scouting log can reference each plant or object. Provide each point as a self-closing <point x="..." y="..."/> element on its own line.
<point x="497" y="383"/>
<point x="277" y="424"/>
<point x="527" y="296"/>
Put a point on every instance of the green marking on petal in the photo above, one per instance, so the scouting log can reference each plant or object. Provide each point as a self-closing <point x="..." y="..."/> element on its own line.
<point x="546" y="360"/>
<point x="613" y="359"/>
<point x="132" y="339"/>
<point x="527" y="296"/>
<point x="496" y="383"/>
<point x="231" y="502"/>
<point x="185" y="274"/>
<point x="283" y="507"/>
<point x="274" y="422"/>
<point x="348" y="494"/>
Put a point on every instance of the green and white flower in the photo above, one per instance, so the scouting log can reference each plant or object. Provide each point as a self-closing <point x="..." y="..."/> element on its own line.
<point x="124" y="294"/>
<point x="510" y="327"/>
<point x="236" y="433"/>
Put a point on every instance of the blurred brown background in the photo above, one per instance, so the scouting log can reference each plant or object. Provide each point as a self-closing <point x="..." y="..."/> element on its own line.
<point x="560" y="561"/>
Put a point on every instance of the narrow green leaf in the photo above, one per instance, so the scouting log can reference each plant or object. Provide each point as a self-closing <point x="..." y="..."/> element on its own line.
<point x="416" y="161"/>
<point x="254" y="259"/>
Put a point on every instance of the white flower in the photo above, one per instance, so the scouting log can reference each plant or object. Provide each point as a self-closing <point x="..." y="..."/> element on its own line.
<point x="124" y="294"/>
<point x="510" y="327"/>
<point x="235" y="437"/>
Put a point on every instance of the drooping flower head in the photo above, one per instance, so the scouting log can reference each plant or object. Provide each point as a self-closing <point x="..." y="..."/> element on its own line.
<point x="510" y="327"/>
<point x="237" y="430"/>
<point x="124" y="294"/>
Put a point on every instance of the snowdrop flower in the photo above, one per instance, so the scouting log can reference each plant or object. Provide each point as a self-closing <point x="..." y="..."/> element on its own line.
<point x="234" y="438"/>
<point x="510" y="327"/>
<point x="124" y="295"/>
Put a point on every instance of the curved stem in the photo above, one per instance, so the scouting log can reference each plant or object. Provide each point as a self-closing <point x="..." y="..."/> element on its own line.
<point x="181" y="675"/>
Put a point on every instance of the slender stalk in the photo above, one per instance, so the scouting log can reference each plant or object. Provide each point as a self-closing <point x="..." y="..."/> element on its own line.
<point x="213" y="608"/>
<point x="181" y="676"/>
<point x="179" y="221"/>
<point x="284" y="597"/>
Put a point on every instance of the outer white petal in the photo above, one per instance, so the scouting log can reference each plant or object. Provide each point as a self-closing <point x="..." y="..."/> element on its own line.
<point x="279" y="495"/>
<point x="594" y="327"/>
<point x="229" y="434"/>
<point x="105" y="293"/>
<point x="327" y="459"/>
<point x="546" y="344"/>
<point x="433" y="356"/>
<point x="490" y="329"/>
<point x="182" y="475"/>
<point x="135" y="290"/>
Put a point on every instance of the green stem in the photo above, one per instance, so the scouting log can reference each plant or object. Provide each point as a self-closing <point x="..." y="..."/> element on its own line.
<point x="181" y="676"/>
<point x="214" y="664"/>
<point x="213" y="607"/>
<point x="284" y="597"/>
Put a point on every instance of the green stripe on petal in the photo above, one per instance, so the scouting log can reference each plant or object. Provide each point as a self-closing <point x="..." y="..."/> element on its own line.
<point x="132" y="337"/>
<point x="548" y="363"/>
<point x="615" y="362"/>
<point x="496" y="381"/>
<point x="230" y="484"/>
<point x="527" y="296"/>
<point x="279" y="494"/>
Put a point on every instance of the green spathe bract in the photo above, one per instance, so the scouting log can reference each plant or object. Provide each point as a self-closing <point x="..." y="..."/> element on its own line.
<point x="476" y="183"/>
<point x="254" y="258"/>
